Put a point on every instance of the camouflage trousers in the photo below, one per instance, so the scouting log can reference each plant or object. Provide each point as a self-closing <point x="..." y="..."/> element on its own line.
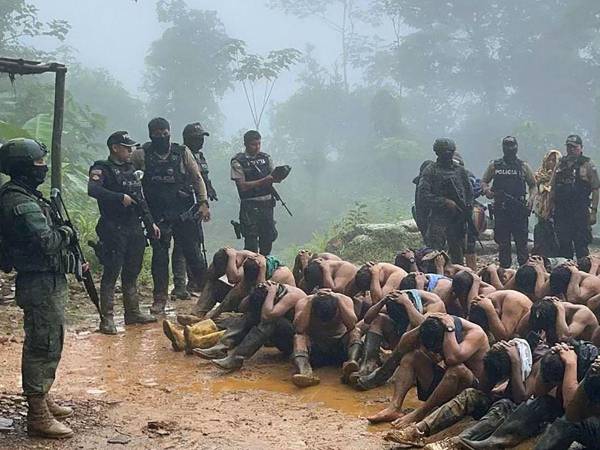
<point x="445" y="232"/>
<point x="42" y="296"/>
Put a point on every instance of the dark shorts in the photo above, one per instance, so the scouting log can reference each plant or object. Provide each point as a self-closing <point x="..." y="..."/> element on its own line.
<point x="424" y="392"/>
<point x="328" y="351"/>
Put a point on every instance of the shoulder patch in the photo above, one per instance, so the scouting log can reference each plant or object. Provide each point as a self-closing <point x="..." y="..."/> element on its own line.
<point x="26" y="208"/>
<point x="96" y="172"/>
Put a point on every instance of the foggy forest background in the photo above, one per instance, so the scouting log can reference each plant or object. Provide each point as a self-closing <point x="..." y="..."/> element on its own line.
<point x="353" y="106"/>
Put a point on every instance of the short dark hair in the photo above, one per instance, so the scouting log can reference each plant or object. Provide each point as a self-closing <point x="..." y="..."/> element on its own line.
<point x="220" y="259"/>
<point x="324" y="306"/>
<point x="256" y="298"/>
<point x="398" y="314"/>
<point x="408" y="282"/>
<point x="496" y="364"/>
<point x="431" y="334"/>
<point x="402" y="261"/>
<point x="525" y="279"/>
<point x="591" y="386"/>
<point x="552" y="368"/>
<point x="363" y="278"/>
<point x="584" y="264"/>
<point x="461" y="283"/>
<point x="313" y="275"/>
<point x="559" y="280"/>
<point x="542" y="315"/>
<point x="158" y="123"/>
<point x="251" y="135"/>
<point x="478" y="316"/>
<point x="251" y="271"/>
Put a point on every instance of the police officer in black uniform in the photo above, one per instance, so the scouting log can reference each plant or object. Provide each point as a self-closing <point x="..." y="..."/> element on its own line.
<point x="171" y="181"/>
<point x="193" y="138"/>
<point x="122" y="242"/>
<point x="507" y="180"/>
<point x="251" y="172"/>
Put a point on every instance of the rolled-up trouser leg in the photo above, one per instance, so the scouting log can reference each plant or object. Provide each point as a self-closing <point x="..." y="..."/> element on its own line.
<point x="42" y="296"/>
<point x="490" y="422"/>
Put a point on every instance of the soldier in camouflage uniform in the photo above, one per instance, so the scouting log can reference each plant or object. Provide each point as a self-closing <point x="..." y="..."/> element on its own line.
<point x="193" y="138"/>
<point x="442" y="186"/>
<point x="37" y="249"/>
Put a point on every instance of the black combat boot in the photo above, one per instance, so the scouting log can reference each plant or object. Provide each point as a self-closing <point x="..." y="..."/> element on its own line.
<point x="351" y="365"/>
<point x="107" y="324"/>
<point x="380" y="376"/>
<point x="370" y="359"/>
<point x="253" y="341"/>
<point x="131" y="305"/>
<point x="305" y="376"/>
<point x="158" y="305"/>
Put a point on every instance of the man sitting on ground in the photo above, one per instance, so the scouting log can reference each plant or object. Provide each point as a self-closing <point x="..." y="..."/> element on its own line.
<point x="301" y="262"/>
<point x="569" y="283"/>
<point x="379" y="279"/>
<point x="440" y="285"/>
<point x="331" y="274"/>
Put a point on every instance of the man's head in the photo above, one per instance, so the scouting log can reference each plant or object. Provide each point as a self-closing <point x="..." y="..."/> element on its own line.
<point x="542" y="316"/>
<point x="478" y="316"/>
<point x="591" y="382"/>
<point x="193" y="136"/>
<point x="120" y="146"/>
<point x="584" y="264"/>
<point x="461" y="284"/>
<point x="257" y="296"/>
<point x="574" y="145"/>
<point x="325" y="306"/>
<point x="403" y="261"/>
<point x="397" y="312"/>
<point x="552" y="368"/>
<point x="159" y="131"/>
<point x="525" y="279"/>
<point x="496" y="365"/>
<point x="362" y="279"/>
<point x="23" y="159"/>
<point x="444" y="148"/>
<point x="510" y="147"/>
<point x="408" y="282"/>
<point x="313" y="275"/>
<point x="431" y="334"/>
<point x="559" y="280"/>
<point x="252" y="142"/>
<point x="220" y="259"/>
<point x="251" y="271"/>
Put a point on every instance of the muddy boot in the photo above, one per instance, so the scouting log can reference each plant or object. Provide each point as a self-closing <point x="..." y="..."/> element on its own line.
<point x="370" y="359"/>
<point x="107" y="325"/>
<point x="253" y="341"/>
<point x="180" y="293"/>
<point x="352" y="365"/>
<point x="59" y="412"/>
<point x="198" y="338"/>
<point x="175" y="336"/>
<point x="305" y="376"/>
<point x="449" y="443"/>
<point x="215" y="352"/>
<point x="379" y="376"/>
<point x="41" y="423"/>
<point x="158" y="305"/>
<point x="133" y="314"/>
<point x="187" y="319"/>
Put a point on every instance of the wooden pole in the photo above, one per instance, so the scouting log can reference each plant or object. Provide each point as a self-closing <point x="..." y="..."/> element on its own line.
<point x="57" y="128"/>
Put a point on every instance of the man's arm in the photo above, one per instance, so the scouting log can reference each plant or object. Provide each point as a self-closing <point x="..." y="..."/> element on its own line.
<point x="193" y="174"/>
<point x="530" y="180"/>
<point x="302" y="315"/>
<point x="574" y="288"/>
<point x="455" y="353"/>
<point x="497" y="326"/>
<point x="232" y="271"/>
<point x="569" y="384"/>
<point x="425" y="191"/>
<point x="516" y="383"/>
<point x="375" y="288"/>
<point x="374" y="311"/>
<point x="486" y="179"/>
<point x="327" y="276"/>
<point x="96" y="189"/>
<point x="346" y="307"/>
<point x="492" y="269"/>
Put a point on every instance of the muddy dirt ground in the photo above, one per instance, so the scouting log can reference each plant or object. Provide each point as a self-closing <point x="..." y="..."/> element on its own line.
<point x="133" y="391"/>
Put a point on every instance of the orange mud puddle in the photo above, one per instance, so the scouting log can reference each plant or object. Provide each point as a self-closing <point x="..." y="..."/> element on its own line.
<point x="143" y="380"/>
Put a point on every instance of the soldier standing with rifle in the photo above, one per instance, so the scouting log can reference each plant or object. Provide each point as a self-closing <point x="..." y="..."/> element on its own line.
<point x="444" y="188"/>
<point x="252" y="172"/>
<point x="172" y="183"/>
<point x="38" y="247"/>
<point x="506" y="180"/>
<point x="123" y="210"/>
<point x="193" y="138"/>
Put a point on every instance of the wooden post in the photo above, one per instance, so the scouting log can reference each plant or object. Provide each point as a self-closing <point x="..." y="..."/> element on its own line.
<point x="57" y="128"/>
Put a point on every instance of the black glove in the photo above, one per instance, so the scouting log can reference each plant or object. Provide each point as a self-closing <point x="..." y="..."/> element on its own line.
<point x="211" y="194"/>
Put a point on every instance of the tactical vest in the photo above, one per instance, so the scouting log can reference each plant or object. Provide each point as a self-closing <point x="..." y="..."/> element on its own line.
<point x="164" y="182"/>
<point x="569" y="188"/>
<point x="509" y="177"/>
<point x="202" y="164"/>
<point x="254" y="169"/>
<point x="20" y="251"/>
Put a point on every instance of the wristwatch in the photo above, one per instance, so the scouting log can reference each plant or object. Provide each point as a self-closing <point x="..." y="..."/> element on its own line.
<point x="449" y="328"/>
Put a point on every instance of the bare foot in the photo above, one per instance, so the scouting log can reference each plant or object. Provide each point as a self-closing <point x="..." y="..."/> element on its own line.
<point x="406" y="419"/>
<point x="389" y="414"/>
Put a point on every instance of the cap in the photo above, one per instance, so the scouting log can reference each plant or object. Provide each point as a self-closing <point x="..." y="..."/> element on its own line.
<point x="120" y="138"/>
<point x="195" y="129"/>
<point x="573" y="139"/>
<point x="510" y="142"/>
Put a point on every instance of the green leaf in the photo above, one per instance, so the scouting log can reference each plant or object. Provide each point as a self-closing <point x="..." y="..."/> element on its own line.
<point x="40" y="128"/>
<point x="10" y="131"/>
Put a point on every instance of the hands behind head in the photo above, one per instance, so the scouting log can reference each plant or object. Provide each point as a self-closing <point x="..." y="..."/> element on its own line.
<point x="510" y="347"/>
<point x="399" y="297"/>
<point x="483" y="302"/>
<point x="446" y="319"/>
<point x="566" y="352"/>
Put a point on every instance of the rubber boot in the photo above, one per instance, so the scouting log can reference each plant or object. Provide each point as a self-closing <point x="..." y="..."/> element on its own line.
<point x="59" y="412"/>
<point x="370" y="359"/>
<point x="352" y="365"/>
<point x="41" y="423"/>
<point x="187" y="319"/>
<point x="380" y="376"/>
<point x="180" y="293"/>
<point x="253" y="341"/>
<point x="158" y="305"/>
<point x="195" y="339"/>
<point x="107" y="325"/>
<point x="133" y="314"/>
<point x="175" y="335"/>
<point x="217" y="351"/>
<point x="305" y="376"/>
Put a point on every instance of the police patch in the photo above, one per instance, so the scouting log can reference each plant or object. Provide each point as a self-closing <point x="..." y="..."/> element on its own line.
<point x="96" y="172"/>
<point x="95" y="177"/>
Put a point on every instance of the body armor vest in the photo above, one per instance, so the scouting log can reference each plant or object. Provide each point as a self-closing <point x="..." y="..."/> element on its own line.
<point x="254" y="169"/>
<point x="509" y="178"/>
<point x="570" y="188"/>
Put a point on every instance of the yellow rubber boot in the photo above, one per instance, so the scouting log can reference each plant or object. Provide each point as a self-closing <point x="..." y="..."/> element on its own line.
<point x="175" y="335"/>
<point x="194" y="339"/>
<point x="204" y="327"/>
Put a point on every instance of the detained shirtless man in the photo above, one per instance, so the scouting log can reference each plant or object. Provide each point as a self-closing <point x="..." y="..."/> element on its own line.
<point x="571" y="284"/>
<point x="379" y="279"/>
<point x="331" y="274"/>
<point x="496" y="276"/>
<point x="500" y="313"/>
<point x="301" y="262"/>
<point x="440" y="285"/>
<point x="442" y="357"/>
<point x="323" y="322"/>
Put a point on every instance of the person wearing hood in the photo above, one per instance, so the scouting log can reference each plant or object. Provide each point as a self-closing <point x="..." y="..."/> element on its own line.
<point x="506" y="180"/>
<point x="544" y="236"/>
<point x="171" y="181"/>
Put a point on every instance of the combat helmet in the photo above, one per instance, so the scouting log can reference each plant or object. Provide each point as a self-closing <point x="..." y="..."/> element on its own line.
<point x="20" y="153"/>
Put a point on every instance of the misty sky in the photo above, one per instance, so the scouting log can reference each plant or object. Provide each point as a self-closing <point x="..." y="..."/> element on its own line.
<point x="116" y="34"/>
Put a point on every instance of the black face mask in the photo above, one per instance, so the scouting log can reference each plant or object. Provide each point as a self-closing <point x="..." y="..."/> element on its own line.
<point x="510" y="153"/>
<point x="195" y="143"/>
<point x="161" y="143"/>
<point x="32" y="176"/>
<point x="445" y="157"/>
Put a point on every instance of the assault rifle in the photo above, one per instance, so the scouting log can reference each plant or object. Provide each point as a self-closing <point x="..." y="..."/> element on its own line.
<point x="511" y="201"/>
<point x="194" y="214"/>
<point x="138" y="197"/>
<point x="280" y="173"/>
<point x="466" y="210"/>
<point x="82" y="270"/>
